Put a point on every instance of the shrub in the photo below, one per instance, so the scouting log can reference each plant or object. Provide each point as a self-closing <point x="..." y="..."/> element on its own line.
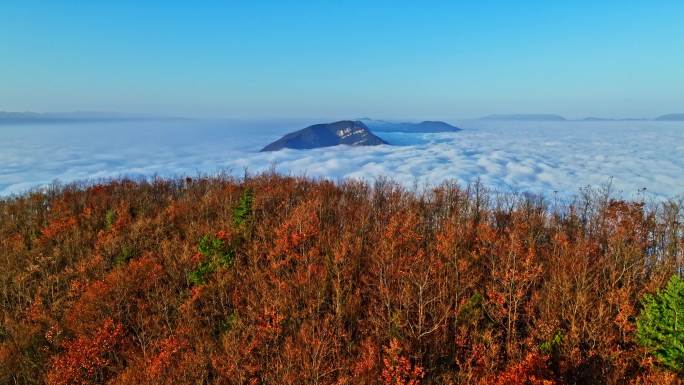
<point x="110" y="217"/>
<point x="660" y="327"/>
<point x="200" y="274"/>
<point x="126" y="254"/>
<point x="244" y="207"/>
<point x="553" y="344"/>
<point x="229" y="322"/>
<point x="216" y="253"/>
<point x="211" y="245"/>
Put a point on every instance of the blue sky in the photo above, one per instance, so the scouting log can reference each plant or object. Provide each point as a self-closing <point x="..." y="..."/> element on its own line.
<point x="347" y="59"/>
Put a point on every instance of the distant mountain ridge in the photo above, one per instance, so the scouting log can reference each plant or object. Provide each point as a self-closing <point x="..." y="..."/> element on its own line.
<point x="596" y="119"/>
<point x="74" y="117"/>
<point x="525" y="117"/>
<point x="349" y="132"/>
<point x="671" y="117"/>
<point x="427" y="126"/>
<point x="559" y="118"/>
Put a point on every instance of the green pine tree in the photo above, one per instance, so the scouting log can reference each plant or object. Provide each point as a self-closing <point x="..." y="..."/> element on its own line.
<point x="244" y="207"/>
<point x="660" y="326"/>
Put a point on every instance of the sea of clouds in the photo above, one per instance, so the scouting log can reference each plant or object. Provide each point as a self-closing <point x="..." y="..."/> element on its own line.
<point x="550" y="158"/>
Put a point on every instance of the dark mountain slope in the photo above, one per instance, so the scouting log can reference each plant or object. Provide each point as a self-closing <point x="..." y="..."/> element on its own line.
<point x="352" y="133"/>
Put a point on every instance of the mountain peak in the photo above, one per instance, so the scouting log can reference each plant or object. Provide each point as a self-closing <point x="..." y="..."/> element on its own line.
<point x="349" y="132"/>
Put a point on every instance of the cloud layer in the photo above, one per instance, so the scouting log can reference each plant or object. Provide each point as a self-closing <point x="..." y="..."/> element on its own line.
<point x="541" y="157"/>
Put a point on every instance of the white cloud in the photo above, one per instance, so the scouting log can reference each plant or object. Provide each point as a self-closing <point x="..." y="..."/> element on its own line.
<point x="521" y="156"/>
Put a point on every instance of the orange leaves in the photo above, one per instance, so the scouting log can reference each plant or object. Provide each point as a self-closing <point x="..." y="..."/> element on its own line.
<point x="224" y="235"/>
<point x="626" y="225"/>
<point x="656" y="376"/>
<point x="170" y="350"/>
<point x="311" y="355"/>
<point x="302" y="225"/>
<point x="322" y="276"/>
<point x="58" y="226"/>
<point x="485" y="237"/>
<point x="448" y="239"/>
<point x="246" y="352"/>
<point x="270" y="324"/>
<point x="402" y="229"/>
<point x="85" y="360"/>
<point x="54" y="335"/>
<point x="398" y="370"/>
<point x="514" y="271"/>
<point x="295" y="258"/>
<point x="625" y="215"/>
<point x="532" y="370"/>
<point x="626" y="313"/>
<point x="116" y="293"/>
<point x="8" y="360"/>
<point x="366" y="363"/>
<point x="145" y="272"/>
<point x="38" y="312"/>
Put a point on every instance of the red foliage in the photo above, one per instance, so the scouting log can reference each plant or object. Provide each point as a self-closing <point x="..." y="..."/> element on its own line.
<point x="58" y="226"/>
<point x="398" y="370"/>
<point x="116" y="294"/>
<point x="532" y="370"/>
<point x="290" y="237"/>
<point x="462" y="286"/>
<point x="367" y="362"/>
<point x="85" y="359"/>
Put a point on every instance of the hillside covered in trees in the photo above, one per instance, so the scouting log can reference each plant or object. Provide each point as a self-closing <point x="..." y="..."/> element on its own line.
<point x="277" y="280"/>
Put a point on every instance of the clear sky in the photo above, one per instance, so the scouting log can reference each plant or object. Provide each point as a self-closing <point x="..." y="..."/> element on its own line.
<point x="389" y="59"/>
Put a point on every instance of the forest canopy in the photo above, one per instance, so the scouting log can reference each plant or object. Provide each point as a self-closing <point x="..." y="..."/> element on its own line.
<point x="282" y="280"/>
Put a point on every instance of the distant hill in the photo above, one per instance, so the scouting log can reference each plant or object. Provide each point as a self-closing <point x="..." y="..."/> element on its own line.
<point x="425" y="126"/>
<point x="352" y="133"/>
<point x="671" y="117"/>
<point x="74" y="117"/>
<point x="525" y="117"/>
<point x="595" y="119"/>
